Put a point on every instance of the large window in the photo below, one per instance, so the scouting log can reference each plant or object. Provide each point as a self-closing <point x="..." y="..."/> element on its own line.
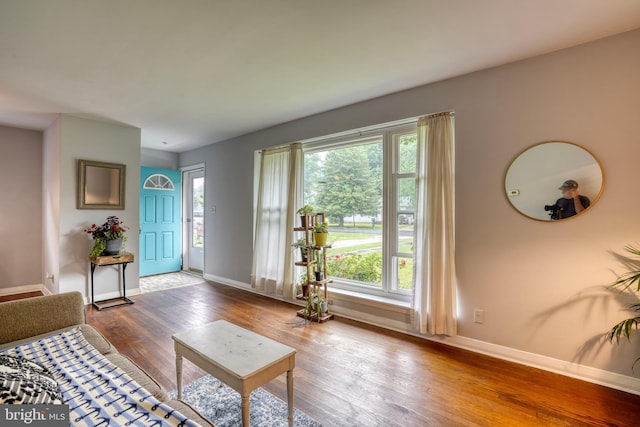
<point x="365" y="185"/>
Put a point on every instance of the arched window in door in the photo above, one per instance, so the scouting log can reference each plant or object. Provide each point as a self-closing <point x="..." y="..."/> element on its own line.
<point x="158" y="182"/>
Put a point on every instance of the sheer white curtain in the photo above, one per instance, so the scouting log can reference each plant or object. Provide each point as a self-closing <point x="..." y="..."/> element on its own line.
<point x="434" y="291"/>
<point x="278" y="194"/>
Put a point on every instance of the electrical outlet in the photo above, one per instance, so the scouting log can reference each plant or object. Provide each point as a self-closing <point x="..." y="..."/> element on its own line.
<point x="478" y="316"/>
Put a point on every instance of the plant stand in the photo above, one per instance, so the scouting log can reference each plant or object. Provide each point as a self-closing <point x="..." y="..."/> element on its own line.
<point x="316" y="256"/>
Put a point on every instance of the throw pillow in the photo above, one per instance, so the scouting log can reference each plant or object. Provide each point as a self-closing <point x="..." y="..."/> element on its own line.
<point x="24" y="381"/>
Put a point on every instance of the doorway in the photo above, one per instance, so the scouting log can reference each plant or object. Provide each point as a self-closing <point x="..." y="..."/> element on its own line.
<point x="160" y="231"/>
<point x="193" y="226"/>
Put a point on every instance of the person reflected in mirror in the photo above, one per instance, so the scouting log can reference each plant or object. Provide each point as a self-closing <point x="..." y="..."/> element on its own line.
<point x="571" y="203"/>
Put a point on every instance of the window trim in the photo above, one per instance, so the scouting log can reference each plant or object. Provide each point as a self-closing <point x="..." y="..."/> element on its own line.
<point x="390" y="150"/>
<point x="153" y="182"/>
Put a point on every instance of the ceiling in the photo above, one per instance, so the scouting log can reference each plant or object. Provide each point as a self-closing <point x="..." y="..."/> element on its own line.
<point x="195" y="72"/>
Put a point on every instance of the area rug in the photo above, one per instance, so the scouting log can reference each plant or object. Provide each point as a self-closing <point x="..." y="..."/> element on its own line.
<point x="161" y="282"/>
<point x="222" y="405"/>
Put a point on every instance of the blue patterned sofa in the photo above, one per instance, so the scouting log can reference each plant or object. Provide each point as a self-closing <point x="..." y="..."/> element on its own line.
<point x="100" y="385"/>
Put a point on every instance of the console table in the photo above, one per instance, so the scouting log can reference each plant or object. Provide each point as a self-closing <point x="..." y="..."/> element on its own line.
<point x="101" y="261"/>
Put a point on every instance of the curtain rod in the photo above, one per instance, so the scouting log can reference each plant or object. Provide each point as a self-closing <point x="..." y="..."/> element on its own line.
<point x="366" y="129"/>
<point x="441" y="113"/>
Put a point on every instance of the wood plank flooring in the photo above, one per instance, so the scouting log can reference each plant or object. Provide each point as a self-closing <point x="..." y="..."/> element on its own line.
<point x="14" y="297"/>
<point x="352" y="374"/>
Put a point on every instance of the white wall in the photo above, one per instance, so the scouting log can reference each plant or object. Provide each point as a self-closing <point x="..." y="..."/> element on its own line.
<point x="51" y="206"/>
<point x="81" y="138"/>
<point x="20" y="208"/>
<point x="539" y="283"/>
<point x="158" y="159"/>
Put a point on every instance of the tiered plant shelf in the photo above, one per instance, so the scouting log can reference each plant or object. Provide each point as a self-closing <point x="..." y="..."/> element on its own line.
<point x="316" y="257"/>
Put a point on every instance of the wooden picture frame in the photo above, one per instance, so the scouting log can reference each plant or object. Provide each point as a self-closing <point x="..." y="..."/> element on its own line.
<point x="101" y="185"/>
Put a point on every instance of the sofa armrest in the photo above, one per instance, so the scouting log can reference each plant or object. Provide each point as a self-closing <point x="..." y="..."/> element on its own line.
<point x="35" y="316"/>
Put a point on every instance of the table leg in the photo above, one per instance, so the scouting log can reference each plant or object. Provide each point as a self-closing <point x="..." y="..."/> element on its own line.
<point x="245" y="410"/>
<point x="179" y="374"/>
<point x="290" y="396"/>
<point x="93" y="269"/>
<point x="124" y="283"/>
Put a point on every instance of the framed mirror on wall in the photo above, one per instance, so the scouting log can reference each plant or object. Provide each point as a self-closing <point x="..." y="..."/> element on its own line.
<point x="553" y="181"/>
<point x="100" y="185"/>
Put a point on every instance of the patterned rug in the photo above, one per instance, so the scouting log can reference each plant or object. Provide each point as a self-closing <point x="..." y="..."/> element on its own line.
<point x="161" y="282"/>
<point x="222" y="405"/>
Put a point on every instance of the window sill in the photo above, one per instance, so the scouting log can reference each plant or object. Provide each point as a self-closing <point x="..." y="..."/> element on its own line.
<point x="377" y="301"/>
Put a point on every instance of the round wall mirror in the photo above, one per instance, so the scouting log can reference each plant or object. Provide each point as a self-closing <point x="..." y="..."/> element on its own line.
<point x="553" y="181"/>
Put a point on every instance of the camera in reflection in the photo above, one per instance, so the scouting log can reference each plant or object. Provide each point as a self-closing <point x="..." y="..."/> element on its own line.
<point x="553" y="210"/>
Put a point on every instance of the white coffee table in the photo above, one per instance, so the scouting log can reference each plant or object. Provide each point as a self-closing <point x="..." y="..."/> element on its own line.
<point x="240" y="358"/>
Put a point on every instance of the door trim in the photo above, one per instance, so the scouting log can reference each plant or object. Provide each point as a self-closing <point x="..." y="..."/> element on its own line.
<point x="185" y="203"/>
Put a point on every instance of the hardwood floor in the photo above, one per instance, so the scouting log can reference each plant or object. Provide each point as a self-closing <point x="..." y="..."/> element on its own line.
<point x="352" y="374"/>
<point x="14" y="297"/>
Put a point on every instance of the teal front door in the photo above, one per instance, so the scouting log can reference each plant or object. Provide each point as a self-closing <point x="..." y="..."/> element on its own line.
<point x="160" y="225"/>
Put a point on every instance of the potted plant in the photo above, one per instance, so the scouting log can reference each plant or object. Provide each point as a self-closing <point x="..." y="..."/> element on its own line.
<point x="108" y="237"/>
<point x="312" y="304"/>
<point x="322" y="306"/>
<point x="303" y="283"/>
<point x="303" y="212"/>
<point x="316" y="306"/>
<point x="319" y="274"/>
<point x="320" y="233"/>
<point x="304" y="249"/>
<point x="625" y="327"/>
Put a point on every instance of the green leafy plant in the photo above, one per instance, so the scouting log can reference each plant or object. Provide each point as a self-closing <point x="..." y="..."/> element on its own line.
<point x="315" y="306"/>
<point x="302" y="245"/>
<point x="99" y="246"/>
<point x="627" y="326"/>
<point x="305" y="210"/>
<point x="321" y="227"/>
<point x="303" y="285"/>
<point x="113" y="228"/>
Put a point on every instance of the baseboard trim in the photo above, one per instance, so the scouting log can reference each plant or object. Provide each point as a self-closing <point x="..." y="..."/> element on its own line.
<point x="569" y="369"/>
<point x="574" y="370"/>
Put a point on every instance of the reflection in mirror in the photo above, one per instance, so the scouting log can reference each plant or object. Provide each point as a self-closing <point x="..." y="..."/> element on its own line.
<point x="100" y="185"/>
<point x="554" y="180"/>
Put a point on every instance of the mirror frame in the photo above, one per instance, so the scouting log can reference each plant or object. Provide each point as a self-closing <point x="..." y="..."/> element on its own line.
<point x="120" y="169"/>
<point x="507" y="191"/>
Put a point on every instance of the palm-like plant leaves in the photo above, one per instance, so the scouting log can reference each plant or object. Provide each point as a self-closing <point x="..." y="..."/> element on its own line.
<point x="632" y="277"/>
<point x="625" y="327"/>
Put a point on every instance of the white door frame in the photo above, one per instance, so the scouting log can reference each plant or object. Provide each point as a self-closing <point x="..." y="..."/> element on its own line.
<point x="186" y="207"/>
